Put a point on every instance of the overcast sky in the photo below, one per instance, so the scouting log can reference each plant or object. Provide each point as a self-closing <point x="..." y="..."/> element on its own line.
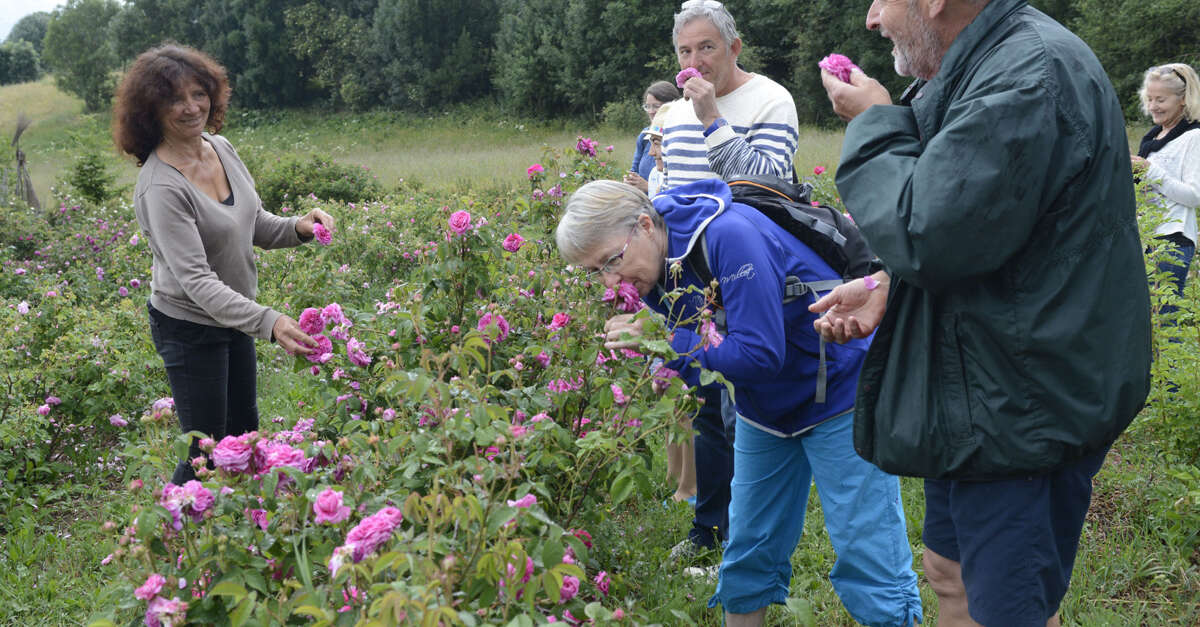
<point x="11" y="11"/>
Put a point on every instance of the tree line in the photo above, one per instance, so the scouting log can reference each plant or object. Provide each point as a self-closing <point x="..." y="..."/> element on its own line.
<point x="534" y="58"/>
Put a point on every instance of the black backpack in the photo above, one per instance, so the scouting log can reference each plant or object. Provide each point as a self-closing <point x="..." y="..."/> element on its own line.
<point x="831" y="235"/>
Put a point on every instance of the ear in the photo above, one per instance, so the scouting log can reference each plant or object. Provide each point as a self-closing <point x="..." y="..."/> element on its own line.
<point x="934" y="8"/>
<point x="736" y="48"/>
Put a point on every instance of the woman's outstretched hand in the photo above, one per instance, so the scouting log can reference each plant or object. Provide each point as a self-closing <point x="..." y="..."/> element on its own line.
<point x="304" y="227"/>
<point x="288" y="335"/>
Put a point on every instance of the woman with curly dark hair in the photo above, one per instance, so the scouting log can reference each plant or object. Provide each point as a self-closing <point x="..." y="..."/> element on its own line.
<point x="201" y="216"/>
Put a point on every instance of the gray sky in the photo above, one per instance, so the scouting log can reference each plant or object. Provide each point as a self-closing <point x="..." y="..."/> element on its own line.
<point x="11" y="11"/>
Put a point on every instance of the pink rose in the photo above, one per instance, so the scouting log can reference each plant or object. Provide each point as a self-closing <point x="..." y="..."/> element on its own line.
<point x="354" y="350"/>
<point x="232" y="454"/>
<point x="534" y="171"/>
<point x="839" y="65"/>
<point x="197" y="499"/>
<point x="333" y="314"/>
<point x="559" y="321"/>
<point x="570" y="588"/>
<point x="601" y="582"/>
<point x="323" y="352"/>
<point x="819" y="170"/>
<point x="43" y="410"/>
<point x="682" y="77"/>
<point x="324" y="235"/>
<point x="708" y="332"/>
<point x="150" y="589"/>
<point x="513" y="242"/>
<point x="373" y="531"/>
<point x="117" y="421"/>
<point x="311" y="322"/>
<point x="487" y="320"/>
<point x="526" y="501"/>
<point x="259" y="517"/>
<point x="460" y="222"/>
<point x="163" y="613"/>
<point x="618" y="394"/>
<point x="328" y="507"/>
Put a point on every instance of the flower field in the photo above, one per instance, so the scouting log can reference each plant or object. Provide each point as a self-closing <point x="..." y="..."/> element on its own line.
<point x="461" y="451"/>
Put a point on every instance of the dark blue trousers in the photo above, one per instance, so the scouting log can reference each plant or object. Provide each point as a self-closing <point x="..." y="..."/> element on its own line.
<point x="714" y="472"/>
<point x="212" y="374"/>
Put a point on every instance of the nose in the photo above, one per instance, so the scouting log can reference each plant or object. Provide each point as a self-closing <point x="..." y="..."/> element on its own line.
<point x="873" y="16"/>
<point x="611" y="279"/>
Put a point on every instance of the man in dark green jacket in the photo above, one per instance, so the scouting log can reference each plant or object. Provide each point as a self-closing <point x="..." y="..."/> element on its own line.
<point x="1012" y="327"/>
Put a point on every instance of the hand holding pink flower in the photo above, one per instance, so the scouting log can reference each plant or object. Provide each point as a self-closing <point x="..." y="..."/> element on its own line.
<point x="839" y="65"/>
<point x="324" y="236"/>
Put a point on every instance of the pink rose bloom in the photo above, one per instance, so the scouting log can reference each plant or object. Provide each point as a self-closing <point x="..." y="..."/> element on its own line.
<point x="150" y="589"/>
<point x="618" y="394"/>
<point x="43" y="410"/>
<point x="122" y="291"/>
<point x="339" y="558"/>
<point x="117" y="421"/>
<point x="682" y="77"/>
<point x="570" y="588"/>
<point x="323" y="352"/>
<point x="53" y="400"/>
<point x="373" y="531"/>
<point x="513" y="242"/>
<point x="518" y="431"/>
<point x="134" y="283"/>
<point x="311" y="322"/>
<point x="197" y="499"/>
<point x="601" y="582"/>
<point x="526" y="501"/>
<point x="324" y="235"/>
<point x="358" y="357"/>
<point x="708" y="332"/>
<point x="163" y="613"/>
<point x="586" y="146"/>
<point x="133" y="241"/>
<point x="23" y="308"/>
<point x="259" y="517"/>
<point x="819" y="170"/>
<point x="163" y="403"/>
<point x="618" y="614"/>
<point x="328" y="507"/>
<point x="538" y="417"/>
<point x="839" y="65"/>
<point x="534" y="171"/>
<point x="333" y="314"/>
<point x="232" y="454"/>
<point x="543" y="359"/>
<point x="488" y="319"/>
<point x="460" y="222"/>
<point x="559" y="321"/>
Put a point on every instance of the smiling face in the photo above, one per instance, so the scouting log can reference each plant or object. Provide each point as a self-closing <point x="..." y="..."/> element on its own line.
<point x="699" y="44"/>
<point x="184" y="117"/>
<point x="916" y="48"/>
<point x="1164" y="105"/>
<point x="641" y="263"/>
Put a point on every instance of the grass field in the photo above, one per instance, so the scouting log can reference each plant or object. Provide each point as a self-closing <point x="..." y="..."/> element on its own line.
<point x="1133" y="567"/>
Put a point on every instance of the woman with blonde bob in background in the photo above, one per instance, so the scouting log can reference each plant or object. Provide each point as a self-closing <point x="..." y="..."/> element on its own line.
<point x="1169" y="158"/>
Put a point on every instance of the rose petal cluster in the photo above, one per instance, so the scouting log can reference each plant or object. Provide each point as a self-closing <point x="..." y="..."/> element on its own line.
<point x="839" y="65"/>
<point x="311" y="321"/>
<point x="322" y="233"/>
<point x="524" y="502"/>
<point x="625" y="298"/>
<point x="708" y="332"/>
<point x="367" y="536"/>
<point x="328" y="507"/>
<point x="586" y="146"/>
<point x="162" y="612"/>
<point x="191" y="498"/>
<point x="513" y="242"/>
<point x="323" y="351"/>
<point x="487" y="320"/>
<point x="358" y="356"/>
<point x="460" y="222"/>
<point x="686" y="73"/>
<point x="534" y="171"/>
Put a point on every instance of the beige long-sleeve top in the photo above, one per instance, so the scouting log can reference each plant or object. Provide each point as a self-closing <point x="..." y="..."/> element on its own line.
<point x="204" y="268"/>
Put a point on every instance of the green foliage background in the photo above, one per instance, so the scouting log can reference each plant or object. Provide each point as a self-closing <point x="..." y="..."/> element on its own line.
<point x="535" y="58"/>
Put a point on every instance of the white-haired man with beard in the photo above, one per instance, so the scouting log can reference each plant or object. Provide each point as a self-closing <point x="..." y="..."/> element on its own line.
<point x="1012" y="325"/>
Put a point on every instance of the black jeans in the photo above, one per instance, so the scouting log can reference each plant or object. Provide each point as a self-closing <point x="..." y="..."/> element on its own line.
<point x="212" y="373"/>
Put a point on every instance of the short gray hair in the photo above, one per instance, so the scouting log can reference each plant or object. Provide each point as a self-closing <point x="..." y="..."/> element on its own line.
<point x="596" y="213"/>
<point x="711" y="9"/>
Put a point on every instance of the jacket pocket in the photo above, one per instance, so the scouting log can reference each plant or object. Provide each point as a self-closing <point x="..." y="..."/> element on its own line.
<point x="954" y="397"/>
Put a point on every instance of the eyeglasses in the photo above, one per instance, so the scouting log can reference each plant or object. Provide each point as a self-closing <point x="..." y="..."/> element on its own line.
<point x="614" y="262"/>
<point x="651" y="107"/>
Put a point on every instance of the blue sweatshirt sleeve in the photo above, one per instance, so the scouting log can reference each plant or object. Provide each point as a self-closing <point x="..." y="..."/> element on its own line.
<point x="747" y="265"/>
<point x="639" y="150"/>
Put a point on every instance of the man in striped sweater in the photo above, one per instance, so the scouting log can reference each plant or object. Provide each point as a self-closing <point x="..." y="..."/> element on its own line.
<point x="737" y="123"/>
<point x="731" y="123"/>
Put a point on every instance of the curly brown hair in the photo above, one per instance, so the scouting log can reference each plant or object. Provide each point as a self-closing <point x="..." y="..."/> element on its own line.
<point x="151" y="84"/>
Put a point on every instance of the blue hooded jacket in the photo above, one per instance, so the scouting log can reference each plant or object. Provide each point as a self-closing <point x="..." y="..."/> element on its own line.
<point x="770" y="351"/>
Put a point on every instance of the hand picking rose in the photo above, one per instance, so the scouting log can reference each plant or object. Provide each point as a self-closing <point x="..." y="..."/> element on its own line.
<point x="688" y="72"/>
<point x="839" y="65"/>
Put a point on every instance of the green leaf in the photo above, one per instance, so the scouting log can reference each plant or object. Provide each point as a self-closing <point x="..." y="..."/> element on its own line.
<point x="622" y="487"/>
<point x="802" y="610"/>
<point x="229" y="588"/>
<point x="687" y="620"/>
<point x="552" y="552"/>
<point x="243" y="611"/>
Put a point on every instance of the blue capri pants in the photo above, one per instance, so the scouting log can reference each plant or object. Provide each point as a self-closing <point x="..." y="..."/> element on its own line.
<point x="873" y="573"/>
